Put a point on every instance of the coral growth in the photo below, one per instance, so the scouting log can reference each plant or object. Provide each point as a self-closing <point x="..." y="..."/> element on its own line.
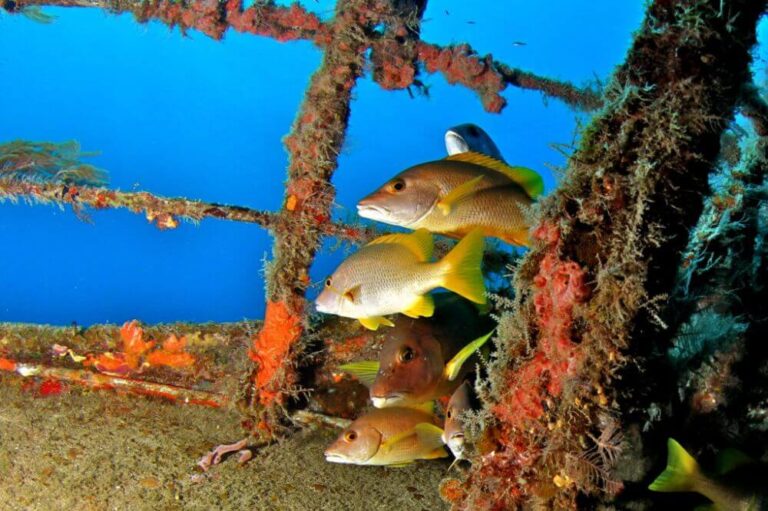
<point x="48" y="161"/>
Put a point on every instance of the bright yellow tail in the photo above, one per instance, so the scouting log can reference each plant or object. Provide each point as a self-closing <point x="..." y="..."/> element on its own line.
<point x="462" y="271"/>
<point x="681" y="472"/>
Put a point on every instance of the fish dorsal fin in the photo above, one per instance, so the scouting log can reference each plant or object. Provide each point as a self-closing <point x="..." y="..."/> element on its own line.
<point x="374" y="322"/>
<point x="729" y="460"/>
<point x="365" y="370"/>
<point x="453" y="367"/>
<point x="529" y="180"/>
<point x="423" y="306"/>
<point x="419" y="242"/>
<point x="430" y="436"/>
<point x="681" y="473"/>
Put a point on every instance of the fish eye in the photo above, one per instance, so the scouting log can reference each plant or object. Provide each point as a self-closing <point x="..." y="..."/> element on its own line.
<point x="328" y="282"/>
<point x="448" y="414"/>
<point x="350" y="436"/>
<point x="407" y="354"/>
<point x="398" y="185"/>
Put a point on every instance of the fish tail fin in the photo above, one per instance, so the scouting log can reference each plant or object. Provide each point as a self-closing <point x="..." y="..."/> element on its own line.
<point x="461" y="268"/>
<point x="681" y="473"/>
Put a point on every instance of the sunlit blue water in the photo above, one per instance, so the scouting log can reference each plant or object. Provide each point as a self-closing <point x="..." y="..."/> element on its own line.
<point x="189" y="116"/>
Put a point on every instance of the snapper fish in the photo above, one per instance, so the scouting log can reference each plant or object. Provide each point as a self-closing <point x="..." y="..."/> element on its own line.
<point x="391" y="436"/>
<point x="395" y="273"/>
<point x="416" y="364"/>
<point x="455" y="195"/>
<point x="453" y="429"/>
<point x="740" y="484"/>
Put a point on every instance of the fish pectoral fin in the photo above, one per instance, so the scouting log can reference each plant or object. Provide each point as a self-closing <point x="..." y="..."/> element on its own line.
<point x="440" y="452"/>
<point x="461" y="268"/>
<point x="420" y="242"/>
<point x="400" y="465"/>
<point x="453" y="367"/>
<point x="390" y="442"/>
<point x="427" y="406"/>
<point x="374" y="322"/>
<point x="681" y="472"/>
<point x="529" y="180"/>
<point x="365" y="370"/>
<point x="430" y="436"/>
<point x="423" y="306"/>
<point x="353" y="293"/>
<point x="458" y="194"/>
<point x="519" y="238"/>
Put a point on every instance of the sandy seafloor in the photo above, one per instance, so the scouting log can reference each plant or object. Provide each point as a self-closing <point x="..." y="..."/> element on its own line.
<point x="85" y="450"/>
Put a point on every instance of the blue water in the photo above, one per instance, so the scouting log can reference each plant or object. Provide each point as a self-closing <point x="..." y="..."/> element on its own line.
<point x="189" y="116"/>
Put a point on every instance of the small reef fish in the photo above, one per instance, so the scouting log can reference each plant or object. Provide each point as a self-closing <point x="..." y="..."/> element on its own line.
<point x="415" y="365"/>
<point x="394" y="273"/>
<point x="453" y="429"/>
<point x="456" y="195"/>
<point x="391" y="436"/>
<point x="740" y="484"/>
<point x="466" y="138"/>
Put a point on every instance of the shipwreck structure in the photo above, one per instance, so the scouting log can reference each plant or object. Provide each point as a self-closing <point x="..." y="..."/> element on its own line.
<point x="637" y="260"/>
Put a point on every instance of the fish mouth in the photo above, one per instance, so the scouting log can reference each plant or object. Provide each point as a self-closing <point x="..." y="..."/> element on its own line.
<point x="390" y="400"/>
<point x="456" y="444"/>
<point x="455" y="143"/>
<point x="336" y="458"/>
<point x="371" y="211"/>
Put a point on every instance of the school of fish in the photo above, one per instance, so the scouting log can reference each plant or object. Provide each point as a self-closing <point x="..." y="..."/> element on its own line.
<point x="430" y="350"/>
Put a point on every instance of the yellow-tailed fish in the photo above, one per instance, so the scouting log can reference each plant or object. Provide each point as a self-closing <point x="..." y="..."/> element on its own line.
<point x="392" y="436"/>
<point x="395" y="273"/>
<point x="740" y="483"/>
<point x="456" y="195"/>
<point x="416" y="365"/>
<point x="470" y="137"/>
<point x="453" y="430"/>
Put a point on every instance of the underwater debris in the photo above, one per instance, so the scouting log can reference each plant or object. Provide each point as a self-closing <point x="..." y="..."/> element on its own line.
<point x="394" y="54"/>
<point x="606" y="249"/>
<point x="48" y="162"/>
<point x="612" y="239"/>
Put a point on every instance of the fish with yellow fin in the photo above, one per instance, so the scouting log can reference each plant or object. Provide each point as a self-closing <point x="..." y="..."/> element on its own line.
<point x="391" y="436"/>
<point x="741" y="484"/>
<point x="395" y="273"/>
<point x="456" y="195"/>
<point x="416" y="364"/>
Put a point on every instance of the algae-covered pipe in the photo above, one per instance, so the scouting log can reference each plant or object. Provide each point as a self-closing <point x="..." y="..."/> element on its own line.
<point x="608" y="245"/>
<point x="314" y="144"/>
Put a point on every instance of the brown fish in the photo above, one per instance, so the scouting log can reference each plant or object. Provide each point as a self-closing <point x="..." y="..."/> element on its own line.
<point x="392" y="436"/>
<point x="422" y="360"/>
<point x="453" y="196"/>
<point x="453" y="429"/>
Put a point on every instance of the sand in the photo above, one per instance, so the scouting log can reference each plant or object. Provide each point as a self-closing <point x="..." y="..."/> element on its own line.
<point x="96" y="450"/>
